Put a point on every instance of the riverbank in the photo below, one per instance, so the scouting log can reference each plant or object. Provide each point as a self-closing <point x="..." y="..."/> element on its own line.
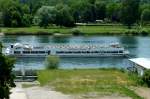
<point x="79" y="30"/>
<point x="101" y="82"/>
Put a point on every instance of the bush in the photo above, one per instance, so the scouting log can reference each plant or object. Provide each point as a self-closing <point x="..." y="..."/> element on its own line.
<point x="76" y="32"/>
<point x="52" y="62"/>
<point x="144" y="33"/>
<point x="132" y="32"/>
<point x="146" y="77"/>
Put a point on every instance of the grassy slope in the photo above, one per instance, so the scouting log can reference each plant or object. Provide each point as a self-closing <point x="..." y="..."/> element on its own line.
<point x="105" y="82"/>
<point x="90" y="30"/>
<point x="34" y="30"/>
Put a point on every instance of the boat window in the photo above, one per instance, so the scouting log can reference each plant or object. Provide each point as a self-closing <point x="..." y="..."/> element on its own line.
<point x="83" y="51"/>
<point x="17" y="52"/>
<point x="49" y="52"/>
<point x="114" y="51"/>
<point x="12" y="46"/>
<point x="120" y="51"/>
<point x="110" y="52"/>
<point x="96" y="52"/>
<point x="86" y="52"/>
<point x="68" y="52"/>
<point x="59" y="52"/>
<point x="18" y="48"/>
<point x="34" y="52"/>
<point x="26" y="52"/>
<point x="41" y="52"/>
<point x="76" y="52"/>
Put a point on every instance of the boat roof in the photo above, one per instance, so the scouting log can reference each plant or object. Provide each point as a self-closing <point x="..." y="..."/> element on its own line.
<point x="143" y="62"/>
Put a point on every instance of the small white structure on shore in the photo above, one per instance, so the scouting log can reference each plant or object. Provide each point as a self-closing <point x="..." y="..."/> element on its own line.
<point x="141" y="64"/>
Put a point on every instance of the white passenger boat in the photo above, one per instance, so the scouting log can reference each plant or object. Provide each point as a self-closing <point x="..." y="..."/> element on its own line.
<point x="66" y="50"/>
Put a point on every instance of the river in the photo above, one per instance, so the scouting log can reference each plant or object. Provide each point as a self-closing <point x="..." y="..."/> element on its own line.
<point x="138" y="47"/>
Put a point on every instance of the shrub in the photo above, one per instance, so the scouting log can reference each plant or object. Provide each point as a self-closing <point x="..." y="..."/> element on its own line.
<point x="146" y="77"/>
<point x="76" y="32"/>
<point x="144" y="32"/>
<point x="132" y="32"/>
<point x="52" y="62"/>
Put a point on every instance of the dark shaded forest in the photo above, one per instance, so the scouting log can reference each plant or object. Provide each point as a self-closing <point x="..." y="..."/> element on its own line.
<point x="25" y="13"/>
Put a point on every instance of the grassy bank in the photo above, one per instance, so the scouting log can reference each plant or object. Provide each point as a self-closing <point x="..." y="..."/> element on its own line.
<point x="83" y="30"/>
<point x="99" y="81"/>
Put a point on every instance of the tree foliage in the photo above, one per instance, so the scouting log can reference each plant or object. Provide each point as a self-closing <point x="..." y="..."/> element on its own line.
<point x="59" y="15"/>
<point x="64" y="16"/>
<point x="113" y="11"/>
<point x="46" y="15"/>
<point x="100" y="10"/>
<point x="84" y="11"/>
<point x="21" y="13"/>
<point x="52" y="62"/>
<point x="15" y="14"/>
<point x="6" y="76"/>
<point x="146" y="78"/>
<point x="145" y="16"/>
<point x="130" y="12"/>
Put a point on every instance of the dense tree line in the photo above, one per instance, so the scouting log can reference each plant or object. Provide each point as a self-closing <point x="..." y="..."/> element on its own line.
<point x="22" y="13"/>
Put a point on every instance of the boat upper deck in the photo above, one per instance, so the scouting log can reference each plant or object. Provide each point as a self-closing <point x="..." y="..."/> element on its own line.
<point x="70" y="46"/>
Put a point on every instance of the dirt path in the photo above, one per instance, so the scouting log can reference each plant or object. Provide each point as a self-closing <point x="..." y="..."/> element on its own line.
<point x="44" y="93"/>
<point x="18" y="93"/>
<point x="143" y="92"/>
<point x="37" y="92"/>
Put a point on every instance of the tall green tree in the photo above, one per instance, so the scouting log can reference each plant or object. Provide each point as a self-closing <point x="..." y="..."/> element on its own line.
<point x="84" y="11"/>
<point x="145" y="16"/>
<point x="6" y="76"/>
<point x="93" y="9"/>
<point x="100" y="10"/>
<point x="113" y="11"/>
<point x="15" y="14"/>
<point x="1" y="19"/>
<point x="34" y="5"/>
<point x="144" y="6"/>
<point x="46" y="15"/>
<point x="76" y="11"/>
<point x="130" y="12"/>
<point x="26" y="16"/>
<point x="63" y="16"/>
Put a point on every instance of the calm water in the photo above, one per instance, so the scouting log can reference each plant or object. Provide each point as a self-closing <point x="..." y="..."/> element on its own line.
<point x="138" y="47"/>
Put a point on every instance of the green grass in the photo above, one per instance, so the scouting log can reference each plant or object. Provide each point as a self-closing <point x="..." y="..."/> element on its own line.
<point x="101" y="81"/>
<point x="34" y="30"/>
<point x="87" y="30"/>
